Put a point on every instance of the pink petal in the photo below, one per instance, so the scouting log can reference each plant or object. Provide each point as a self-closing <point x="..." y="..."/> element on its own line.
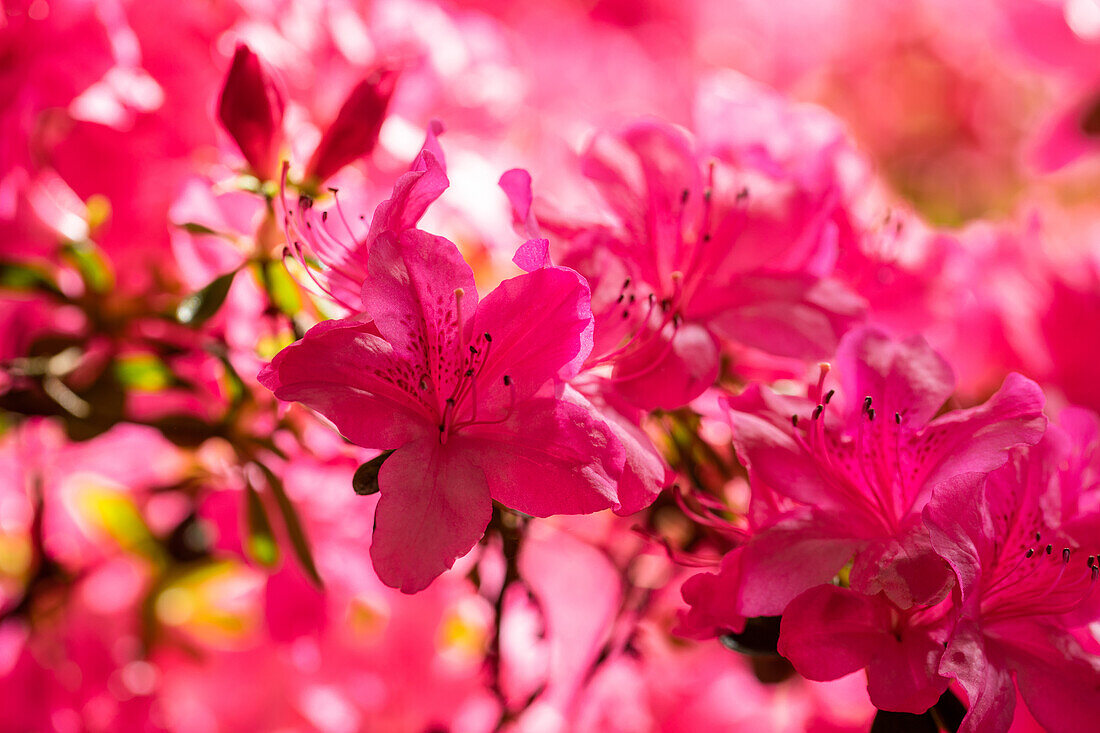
<point x="961" y="530"/>
<point x="1058" y="679"/>
<point x="550" y="457"/>
<point x="977" y="440"/>
<point x="906" y="568"/>
<point x="670" y="370"/>
<point x="534" y="254"/>
<point x="413" y="293"/>
<point x="541" y="324"/>
<point x="988" y="683"/>
<point x="343" y="370"/>
<point x="906" y="377"/>
<point x="434" y="506"/>
<point x="828" y="632"/>
<point x="903" y="676"/>
<point x="516" y="185"/>
<point x="773" y="457"/>
<point x="414" y="191"/>
<point x="779" y="314"/>
<point x="712" y="601"/>
<point x="786" y="559"/>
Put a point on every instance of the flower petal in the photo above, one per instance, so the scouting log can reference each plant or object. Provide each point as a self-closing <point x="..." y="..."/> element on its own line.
<point x="978" y="439"/>
<point x="541" y="326"/>
<point x="345" y="371"/>
<point x="412" y="293"/>
<point x="434" y="506"/>
<point x="906" y="377"/>
<point x="795" y="554"/>
<point x="550" y="457"/>
<point x="828" y="632"/>
<point x="670" y="370"/>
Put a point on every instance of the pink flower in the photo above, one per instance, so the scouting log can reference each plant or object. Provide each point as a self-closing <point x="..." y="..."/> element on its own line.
<point x="680" y="272"/>
<point x="851" y="475"/>
<point x="1019" y="575"/>
<point x="460" y="390"/>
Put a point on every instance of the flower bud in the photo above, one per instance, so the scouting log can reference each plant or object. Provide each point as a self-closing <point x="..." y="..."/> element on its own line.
<point x="355" y="130"/>
<point x="251" y="111"/>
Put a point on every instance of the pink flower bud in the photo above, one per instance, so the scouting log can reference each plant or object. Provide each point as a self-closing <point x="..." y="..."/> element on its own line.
<point x="251" y="110"/>
<point x="355" y="130"/>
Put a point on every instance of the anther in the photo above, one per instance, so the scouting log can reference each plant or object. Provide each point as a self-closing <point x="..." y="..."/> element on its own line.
<point x="897" y="418"/>
<point x="794" y="420"/>
<point x="626" y="314"/>
<point x="507" y="381"/>
<point x="1038" y="536"/>
<point x="469" y="372"/>
<point x="1030" y="552"/>
<point x="707" y="193"/>
<point x="488" y="337"/>
<point x="684" y="196"/>
<point x="871" y="414"/>
<point x="1065" y="555"/>
<point x="626" y="283"/>
<point x="474" y="350"/>
<point x="818" y="410"/>
<point x="1050" y="548"/>
<point x="620" y="299"/>
<point x="867" y="403"/>
<point x="324" y="216"/>
<point x="829" y="395"/>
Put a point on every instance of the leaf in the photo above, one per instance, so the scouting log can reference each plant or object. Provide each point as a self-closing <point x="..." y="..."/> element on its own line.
<point x="281" y="288"/>
<point x="260" y="544"/>
<point x="195" y="228"/>
<point x="92" y="264"/>
<point x="294" y="530"/>
<point x="143" y="372"/>
<point x="26" y="277"/>
<point x="199" y="307"/>
<point x="365" y="480"/>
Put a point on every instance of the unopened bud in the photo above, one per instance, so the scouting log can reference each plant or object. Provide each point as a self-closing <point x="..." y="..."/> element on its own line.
<point x="354" y="132"/>
<point x="251" y="111"/>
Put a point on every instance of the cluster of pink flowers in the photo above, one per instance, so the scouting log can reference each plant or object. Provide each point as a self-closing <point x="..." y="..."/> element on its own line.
<point x="412" y="365"/>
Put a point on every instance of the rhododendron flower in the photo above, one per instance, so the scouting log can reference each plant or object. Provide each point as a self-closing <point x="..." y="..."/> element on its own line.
<point x="859" y="469"/>
<point x="1021" y="579"/>
<point x="675" y="276"/>
<point x="461" y="391"/>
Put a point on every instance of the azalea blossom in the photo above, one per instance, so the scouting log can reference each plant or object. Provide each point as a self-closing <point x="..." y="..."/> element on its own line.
<point x="1024" y="587"/>
<point x="681" y="270"/>
<point x="460" y="390"/>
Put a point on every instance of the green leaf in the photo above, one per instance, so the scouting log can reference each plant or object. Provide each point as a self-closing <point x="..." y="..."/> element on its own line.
<point x="294" y="530"/>
<point x="199" y="307"/>
<point x="143" y="372"/>
<point x="92" y="264"/>
<point x="261" y="544"/>
<point x="26" y="277"/>
<point x="196" y="228"/>
<point x="281" y="288"/>
<point x="365" y="480"/>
